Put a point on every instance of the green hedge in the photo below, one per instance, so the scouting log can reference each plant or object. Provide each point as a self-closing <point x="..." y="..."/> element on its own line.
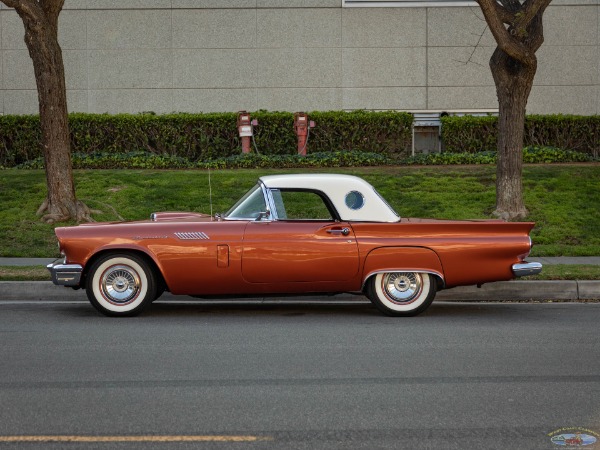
<point x="202" y="137"/>
<point x="208" y="137"/>
<point x="474" y="134"/>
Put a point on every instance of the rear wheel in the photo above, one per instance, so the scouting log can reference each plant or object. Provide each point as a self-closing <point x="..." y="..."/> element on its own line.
<point x="401" y="293"/>
<point x="121" y="285"/>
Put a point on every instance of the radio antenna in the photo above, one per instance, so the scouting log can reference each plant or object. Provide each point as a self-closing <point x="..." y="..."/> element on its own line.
<point x="210" y="194"/>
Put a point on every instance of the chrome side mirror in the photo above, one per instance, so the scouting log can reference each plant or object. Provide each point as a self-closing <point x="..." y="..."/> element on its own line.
<point x="263" y="215"/>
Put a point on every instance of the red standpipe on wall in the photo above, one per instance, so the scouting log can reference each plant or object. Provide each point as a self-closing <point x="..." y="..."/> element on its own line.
<point x="302" y="128"/>
<point x="245" y="128"/>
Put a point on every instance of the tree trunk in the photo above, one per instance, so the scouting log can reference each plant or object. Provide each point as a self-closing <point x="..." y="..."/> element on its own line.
<point x="513" y="81"/>
<point x="44" y="49"/>
<point x="518" y="30"/>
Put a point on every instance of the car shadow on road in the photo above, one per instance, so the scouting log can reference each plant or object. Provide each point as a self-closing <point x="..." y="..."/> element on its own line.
<point x="296" y="309"/>
<point x="287" y="309"/>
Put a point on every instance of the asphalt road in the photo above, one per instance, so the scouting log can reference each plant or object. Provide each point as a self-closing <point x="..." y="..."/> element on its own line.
<point x="460" y="376"/>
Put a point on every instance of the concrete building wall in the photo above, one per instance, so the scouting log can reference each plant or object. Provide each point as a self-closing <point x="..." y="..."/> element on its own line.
<point x="226" y="55"/>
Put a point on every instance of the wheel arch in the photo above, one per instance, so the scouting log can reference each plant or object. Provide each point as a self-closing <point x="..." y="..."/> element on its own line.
<point x="403" y="259"/>
<point x="125" y="251"/>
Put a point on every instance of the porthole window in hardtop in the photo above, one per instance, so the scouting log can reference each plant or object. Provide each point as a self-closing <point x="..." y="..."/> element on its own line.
<point x="301" y="205"/>
<point x="355" y="200"/>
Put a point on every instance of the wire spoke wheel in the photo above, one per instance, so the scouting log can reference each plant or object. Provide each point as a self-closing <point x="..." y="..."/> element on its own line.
<point x="401" y="293"/>
<point x="121" y="284"/>
<point x="402" y="287"/>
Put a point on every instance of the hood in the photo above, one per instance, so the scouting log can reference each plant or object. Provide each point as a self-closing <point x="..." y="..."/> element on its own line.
<point x="167" y="216"/>
<point x="159" y="217"/>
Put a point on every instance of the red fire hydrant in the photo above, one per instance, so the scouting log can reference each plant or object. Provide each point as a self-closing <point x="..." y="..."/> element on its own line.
<point x="302" y="128"/>
<point x="245" y="128"/>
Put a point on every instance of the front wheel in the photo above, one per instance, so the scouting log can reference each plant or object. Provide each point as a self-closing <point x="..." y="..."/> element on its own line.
<point x="401" y="293"/>
<point x="120" y="285"/>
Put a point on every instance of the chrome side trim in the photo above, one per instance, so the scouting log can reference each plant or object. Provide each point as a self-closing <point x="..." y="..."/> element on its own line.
<point x="270" y="204"/>
<point x="65" y="274"/>
<point x="430" y="272"/>
<point x="526" y="268"/>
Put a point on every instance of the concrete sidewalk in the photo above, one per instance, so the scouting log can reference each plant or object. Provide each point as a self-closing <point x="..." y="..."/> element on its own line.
<point x="20" y="262"/>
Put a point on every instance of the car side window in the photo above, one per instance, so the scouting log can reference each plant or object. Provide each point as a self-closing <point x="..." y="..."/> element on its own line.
<point x="249" y="206"/>
<point x="300" y="205"/>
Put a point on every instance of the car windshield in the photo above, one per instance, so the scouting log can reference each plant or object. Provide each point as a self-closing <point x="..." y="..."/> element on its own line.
<point x="249" y="206"/>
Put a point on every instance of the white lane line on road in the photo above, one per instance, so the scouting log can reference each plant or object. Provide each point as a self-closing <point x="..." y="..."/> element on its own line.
<point x="42" y="302"/>
<point x="183" y="438"/>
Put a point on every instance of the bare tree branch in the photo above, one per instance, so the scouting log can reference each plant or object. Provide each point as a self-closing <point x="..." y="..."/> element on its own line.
<point x="529" y="10"/>
<point x="470" y="59"/>
<point x="512" y="6"/>
<point x="503" y="11"/>
<point x="52" y="8"/>
<point x="26" y="8"/>
<point x="508" y="43"/>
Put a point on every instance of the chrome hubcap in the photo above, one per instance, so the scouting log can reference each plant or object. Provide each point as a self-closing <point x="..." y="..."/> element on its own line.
<point x="120" y="284"/>
<point x="402" y="287"/>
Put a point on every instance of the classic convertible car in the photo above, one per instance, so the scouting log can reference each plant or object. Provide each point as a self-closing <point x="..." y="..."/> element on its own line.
<point x="290" y="234"/>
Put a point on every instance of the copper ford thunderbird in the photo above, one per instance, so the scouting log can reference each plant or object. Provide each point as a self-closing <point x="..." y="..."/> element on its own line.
<point x="290" y="234"/>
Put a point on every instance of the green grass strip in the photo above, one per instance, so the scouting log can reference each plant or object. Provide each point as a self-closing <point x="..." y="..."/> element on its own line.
<point x="563" y="200"/>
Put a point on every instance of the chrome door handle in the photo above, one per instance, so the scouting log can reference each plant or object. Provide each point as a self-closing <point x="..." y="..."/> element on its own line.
<point x="344" y="231"/>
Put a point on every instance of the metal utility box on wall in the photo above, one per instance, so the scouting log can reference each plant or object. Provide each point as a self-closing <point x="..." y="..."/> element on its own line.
<point x="427" y="128"/>
<point x="426" y="133"/>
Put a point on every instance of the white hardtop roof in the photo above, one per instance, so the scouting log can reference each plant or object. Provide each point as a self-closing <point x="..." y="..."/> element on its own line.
<point x="337" y="187"/>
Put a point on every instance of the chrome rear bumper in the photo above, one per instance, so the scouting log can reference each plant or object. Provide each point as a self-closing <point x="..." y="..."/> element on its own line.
<point x="65" y="274"/>
<point x="526" y="268"/>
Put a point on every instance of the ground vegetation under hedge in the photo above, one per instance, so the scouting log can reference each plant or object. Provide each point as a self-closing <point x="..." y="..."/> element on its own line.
<point x="146" y="160"/>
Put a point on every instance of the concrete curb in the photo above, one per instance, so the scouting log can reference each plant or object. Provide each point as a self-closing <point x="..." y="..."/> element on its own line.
<point x="566" y="290"/>
<point x="588" y="289"/>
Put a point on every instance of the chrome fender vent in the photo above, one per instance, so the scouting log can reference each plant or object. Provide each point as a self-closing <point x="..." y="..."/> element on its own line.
<point x="192" y="235"/>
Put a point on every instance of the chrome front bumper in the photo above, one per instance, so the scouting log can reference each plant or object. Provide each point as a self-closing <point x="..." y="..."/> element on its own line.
<point x="526" y="268"/>
<point x="65" y="274"/>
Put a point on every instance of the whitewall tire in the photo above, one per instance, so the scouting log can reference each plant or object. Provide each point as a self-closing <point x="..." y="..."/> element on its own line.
<point x="121" y="285"/>
<point x="401" y="293"/>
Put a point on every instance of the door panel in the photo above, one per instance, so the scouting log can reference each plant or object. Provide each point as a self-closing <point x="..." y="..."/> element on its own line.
<point x="302" y="251"/>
